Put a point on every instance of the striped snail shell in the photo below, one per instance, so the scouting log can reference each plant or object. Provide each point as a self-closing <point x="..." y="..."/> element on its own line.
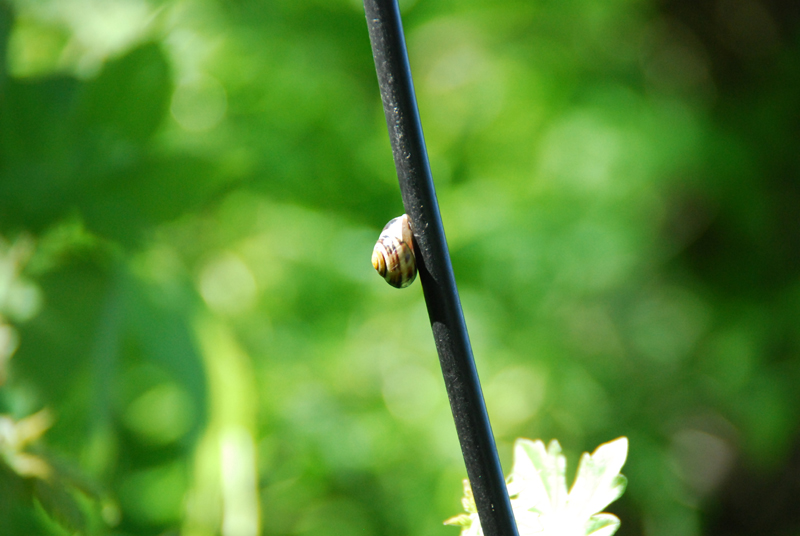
<point x="393" y="256"/>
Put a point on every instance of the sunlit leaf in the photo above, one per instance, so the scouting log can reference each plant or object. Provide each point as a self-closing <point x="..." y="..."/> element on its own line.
<point x="598" y="482"/>
<point x="537" y="489"/>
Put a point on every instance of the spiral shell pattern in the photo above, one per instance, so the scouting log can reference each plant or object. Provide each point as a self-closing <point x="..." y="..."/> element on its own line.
<point x="393" y="256"/>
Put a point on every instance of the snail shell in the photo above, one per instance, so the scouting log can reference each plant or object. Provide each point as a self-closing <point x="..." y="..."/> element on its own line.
<point x="393" y="256"/>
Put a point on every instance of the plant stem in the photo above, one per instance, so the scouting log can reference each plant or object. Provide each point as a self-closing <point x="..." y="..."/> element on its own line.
<point x="435" y="269"/>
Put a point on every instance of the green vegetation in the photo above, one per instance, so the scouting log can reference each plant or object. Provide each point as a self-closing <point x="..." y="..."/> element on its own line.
<point x="537" y="487"/>
<point x="193" y="341"/>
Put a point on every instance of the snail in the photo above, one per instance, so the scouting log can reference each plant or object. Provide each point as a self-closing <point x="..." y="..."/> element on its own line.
<point x="393" y="256"/>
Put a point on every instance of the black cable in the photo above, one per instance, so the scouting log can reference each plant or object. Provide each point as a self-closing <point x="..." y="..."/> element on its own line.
<point x="435" y="269"/>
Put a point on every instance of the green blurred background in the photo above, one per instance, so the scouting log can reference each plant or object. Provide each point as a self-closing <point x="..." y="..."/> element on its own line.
<point x="193" y="340"/>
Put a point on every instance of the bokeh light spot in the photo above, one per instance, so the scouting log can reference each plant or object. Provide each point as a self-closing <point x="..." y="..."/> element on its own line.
<point x="227" y="285"/>
<point x="410" y="392"/>
<point x="513" y="396"/>
<point x="200" y="104"/>
<point x="161" y="415"/>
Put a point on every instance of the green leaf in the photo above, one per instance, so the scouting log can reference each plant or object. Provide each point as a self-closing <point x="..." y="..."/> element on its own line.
<point x="598" y="482"/>
<point x="602" y="525"/>
<point x="538" y="491"/>
<point x="130" y="97"/>
<point x="538" y="475"/>
<point x="60" y="505"/>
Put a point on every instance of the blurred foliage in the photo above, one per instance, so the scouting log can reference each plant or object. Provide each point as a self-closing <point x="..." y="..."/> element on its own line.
<point x="189" y="193"/>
